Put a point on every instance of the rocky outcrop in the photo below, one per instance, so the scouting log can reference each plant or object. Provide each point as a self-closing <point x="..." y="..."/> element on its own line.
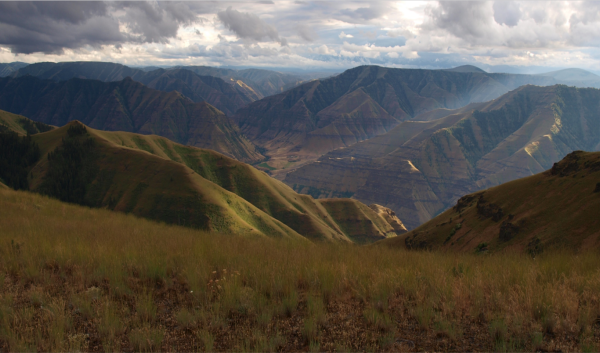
<point x="390" y="217"/>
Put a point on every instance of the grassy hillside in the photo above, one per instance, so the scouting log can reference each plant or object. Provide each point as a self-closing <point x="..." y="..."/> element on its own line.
<point x="21" y="125"/>
<point x="126" y="106"/>
<point x="74" y="278"/>
<point x="82" y="167"/>
<point x="556" y="209"/>
<point x="420" y="168"/>
<point x="152" y="177"/>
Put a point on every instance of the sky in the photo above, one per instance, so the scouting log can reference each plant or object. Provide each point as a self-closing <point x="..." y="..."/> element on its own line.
<point x="511" y="36"/>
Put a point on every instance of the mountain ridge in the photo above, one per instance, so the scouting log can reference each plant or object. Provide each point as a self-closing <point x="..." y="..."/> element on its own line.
<point x="153" y="177"/>
<point x="420" y="168"/>
<point x="126" y="106"/>
<point x="301" y="124"/>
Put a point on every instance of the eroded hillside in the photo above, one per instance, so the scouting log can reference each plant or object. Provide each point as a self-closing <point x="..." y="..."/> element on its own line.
<point x="301" y="124"/>
<point x="421" y="168"/>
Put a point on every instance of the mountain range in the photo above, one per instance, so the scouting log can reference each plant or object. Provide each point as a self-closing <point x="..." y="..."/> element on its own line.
<point x="411" y="140"/>
<point x="305" y="122"/>
<point x="7" y="69"/>
<point x="421" y="167"/>
<point x="153" y="177"/>
<point x="555" y="209"/>
<point x="126" y="106"/>
<point x="226" y="89"/>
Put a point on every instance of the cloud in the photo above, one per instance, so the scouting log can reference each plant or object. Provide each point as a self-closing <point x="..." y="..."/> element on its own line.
<point x="153" y="23"/>
<point x="249" y="26"/>
<point x="307" y="33"/>
<point x="468" y="20"/>
<point x="323" y="50"/>
<point x="52" y="27"/>
<point x="507" y="12"/>
<point x="342" y="34"/>
<point x="372" y="35"/>
<point x="363" y="14"/>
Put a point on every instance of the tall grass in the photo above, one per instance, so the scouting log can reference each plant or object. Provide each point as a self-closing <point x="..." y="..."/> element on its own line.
<point x="93" y="277"/>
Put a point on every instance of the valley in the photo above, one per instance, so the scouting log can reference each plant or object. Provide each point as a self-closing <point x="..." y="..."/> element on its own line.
<point x="423" y="166"/>
<point x="152" y="177"/>
<point x="298" y="126"/>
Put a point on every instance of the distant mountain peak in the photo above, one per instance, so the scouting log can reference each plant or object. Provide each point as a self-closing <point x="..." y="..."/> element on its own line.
<point x="571" y="74"/>
<point x="466" y="68"/>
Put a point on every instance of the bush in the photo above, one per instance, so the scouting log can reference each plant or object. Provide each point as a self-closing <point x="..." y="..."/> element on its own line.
<point x="146" y="339"/>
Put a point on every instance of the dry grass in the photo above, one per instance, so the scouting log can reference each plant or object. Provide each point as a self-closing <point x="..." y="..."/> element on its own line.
<point x="73" y="278"/>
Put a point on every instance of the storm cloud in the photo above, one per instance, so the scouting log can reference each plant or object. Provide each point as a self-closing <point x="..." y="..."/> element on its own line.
<point x="51" y="27"/>
<point x="249" y="26"/>
<point x="283" y="33"/>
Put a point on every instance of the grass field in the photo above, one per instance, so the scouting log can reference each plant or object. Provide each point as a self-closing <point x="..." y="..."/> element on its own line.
<point x="80" y="279"/>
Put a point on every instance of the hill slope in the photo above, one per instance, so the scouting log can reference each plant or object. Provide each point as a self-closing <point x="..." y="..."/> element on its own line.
<point x="126" y="106"/>
<point x="21" y="125"/>
<point x="556" y="209"/>
<point x="155" y="178"/>
<point x="421" y="168"/>
<point x="307" y="121"/>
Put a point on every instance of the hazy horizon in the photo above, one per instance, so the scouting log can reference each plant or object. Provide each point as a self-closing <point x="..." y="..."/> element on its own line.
<point x="501" y="36"/>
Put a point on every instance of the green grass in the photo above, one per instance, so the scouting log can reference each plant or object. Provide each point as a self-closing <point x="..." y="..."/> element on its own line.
<point x="221" y="194"/>
<point x="265" y="165"/>
<point x="132" y="284"/>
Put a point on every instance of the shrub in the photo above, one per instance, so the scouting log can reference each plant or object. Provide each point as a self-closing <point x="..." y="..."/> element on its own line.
<point x="146" y="339"/>
<point x="185" y="318"/>
<point x="145" y="307"/>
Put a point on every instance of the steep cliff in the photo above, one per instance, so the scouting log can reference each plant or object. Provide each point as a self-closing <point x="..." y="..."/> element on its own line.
<point x="420" y="168"/>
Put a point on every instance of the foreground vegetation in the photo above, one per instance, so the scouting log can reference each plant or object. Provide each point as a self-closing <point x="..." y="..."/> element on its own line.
<point x="80" y="279"/>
